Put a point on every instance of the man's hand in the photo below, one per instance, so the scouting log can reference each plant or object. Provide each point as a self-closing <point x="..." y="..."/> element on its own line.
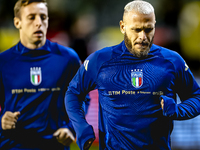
<point x="64" y="136"/>
<point x="9" y="120"/>
<point x="162" y="104"/>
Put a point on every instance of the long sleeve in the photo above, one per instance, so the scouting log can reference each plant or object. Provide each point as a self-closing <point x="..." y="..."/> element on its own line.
<point x="81" y="84"/>
<point x="189" y="93"/>
<point x="2" y="97"/>
<point x="84" y="131"/>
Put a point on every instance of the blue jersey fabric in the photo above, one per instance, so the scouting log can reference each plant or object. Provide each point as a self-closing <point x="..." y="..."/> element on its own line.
<point x="130" y="90"/>
<point x="34" y="82"/>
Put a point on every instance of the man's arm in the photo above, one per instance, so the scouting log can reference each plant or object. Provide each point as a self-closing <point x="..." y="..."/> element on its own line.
<point x="84" y="82"/>
<point x="8" y="119"/>
<point x="189" y="93"/>
<point x="75" y="111"/>
<point x="185" y="110"/>
<point x="80" y="86"/>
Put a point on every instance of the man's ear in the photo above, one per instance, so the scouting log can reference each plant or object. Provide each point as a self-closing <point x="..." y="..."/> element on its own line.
<point x="17" y="23"/>
<point x="122" y="27"/>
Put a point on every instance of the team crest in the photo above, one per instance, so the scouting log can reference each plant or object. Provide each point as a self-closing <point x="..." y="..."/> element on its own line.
<point x="35" y="75"/>
<point x="137" y="78"/>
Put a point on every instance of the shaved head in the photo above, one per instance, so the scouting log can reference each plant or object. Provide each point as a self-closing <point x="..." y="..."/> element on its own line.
<point x="139" y="6"/>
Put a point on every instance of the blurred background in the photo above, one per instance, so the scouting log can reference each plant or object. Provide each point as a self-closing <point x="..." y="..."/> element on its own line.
<point x="89" y="25"/>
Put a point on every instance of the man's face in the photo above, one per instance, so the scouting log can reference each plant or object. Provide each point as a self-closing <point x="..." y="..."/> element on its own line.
<point x="33" y="23"/>
<point x="138" y="30"/>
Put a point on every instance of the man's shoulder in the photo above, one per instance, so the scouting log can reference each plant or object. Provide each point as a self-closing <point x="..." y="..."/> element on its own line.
<point x="102" y="55"/>
<point x="95" y="60"/>
<point x="171" y="55"/>
<point x="7" y="55"/>
<point x="7" y="51"/>
<point x="166" y="51"/>
<point x="63" y="50"/>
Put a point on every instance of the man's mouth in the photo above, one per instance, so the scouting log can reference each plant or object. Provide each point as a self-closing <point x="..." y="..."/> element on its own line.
<point x="38" y="33"/>
<point x="142" y="43"/>
<point x="142" y="46"/>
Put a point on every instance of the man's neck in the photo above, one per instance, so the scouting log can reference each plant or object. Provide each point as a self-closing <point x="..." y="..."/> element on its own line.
<point x="35" y="45"/>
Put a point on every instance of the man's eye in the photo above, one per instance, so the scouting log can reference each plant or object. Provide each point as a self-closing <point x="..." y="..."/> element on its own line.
<point x="138" y="30"/>
<point x="31" y="17"/>
<point x="148" y="30"/>
<point x="43" y="17"/>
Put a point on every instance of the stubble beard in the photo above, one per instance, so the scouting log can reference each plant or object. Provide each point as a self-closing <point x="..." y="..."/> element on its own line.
<point x="139" y="54"/>
<point x="39" y="42"/>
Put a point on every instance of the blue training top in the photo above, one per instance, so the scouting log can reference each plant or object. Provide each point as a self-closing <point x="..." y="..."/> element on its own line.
<point x="34" y="82"/>
<point x="130" y="89"/>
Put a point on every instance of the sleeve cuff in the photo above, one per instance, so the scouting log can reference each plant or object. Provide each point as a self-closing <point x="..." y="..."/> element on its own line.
<point x="87" y="135"/>
<point x="170" y="107"/>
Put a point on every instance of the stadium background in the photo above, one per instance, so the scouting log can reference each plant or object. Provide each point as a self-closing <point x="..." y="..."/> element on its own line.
<point x="89" y="25"/>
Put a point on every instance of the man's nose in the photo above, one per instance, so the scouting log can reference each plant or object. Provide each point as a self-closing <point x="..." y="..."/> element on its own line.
<point x="38" y="22"/>
<point x="142" y="35"/>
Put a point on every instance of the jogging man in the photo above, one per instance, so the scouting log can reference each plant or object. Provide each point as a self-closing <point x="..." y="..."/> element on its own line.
<point x="137" y="82"/>
<point x="34" y="76"/>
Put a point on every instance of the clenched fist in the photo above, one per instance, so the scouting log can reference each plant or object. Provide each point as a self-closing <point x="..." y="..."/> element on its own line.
<point x="9" y="120"/>
<point x="64" y="136"/>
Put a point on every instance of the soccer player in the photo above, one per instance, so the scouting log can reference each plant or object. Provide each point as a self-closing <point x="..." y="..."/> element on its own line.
<point x="34" y="75"/>
<point x="137" y="82"/>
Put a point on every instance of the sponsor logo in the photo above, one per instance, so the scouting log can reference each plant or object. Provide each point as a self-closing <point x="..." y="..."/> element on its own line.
<point x="186" y="67"/>
<point x="35" y="75"/>
<point x="137" y="78"/>
<point x="86" y="62"/>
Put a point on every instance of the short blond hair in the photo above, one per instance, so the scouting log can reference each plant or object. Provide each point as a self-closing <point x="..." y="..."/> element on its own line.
<point x="21" y="3"/>
<point x="140" y="6"/>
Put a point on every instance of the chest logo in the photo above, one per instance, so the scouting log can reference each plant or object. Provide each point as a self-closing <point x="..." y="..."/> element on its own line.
<point x="35" y="75"/>
<point x="137" y="78"/>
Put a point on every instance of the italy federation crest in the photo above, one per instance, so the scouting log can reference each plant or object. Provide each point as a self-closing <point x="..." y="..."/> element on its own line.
<point x="137" y="78"/>
<point x="35" y="75"/>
